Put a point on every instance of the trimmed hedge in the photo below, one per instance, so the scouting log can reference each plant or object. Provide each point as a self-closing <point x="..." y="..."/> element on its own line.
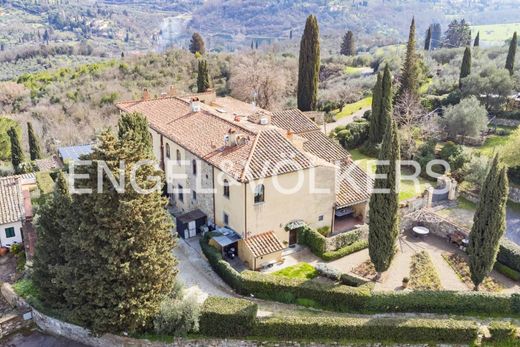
<point x="344" y="298"/>
<point x="379" y="329"/>
<point x="507" y="271"/>
<point x="508" y="115"/>
<point x="226" y="317"/>
<point x="509" y="254"/>
<point x="344" y="251"/>
<point x="316" y="242"/>
<point x="502" y="331"/>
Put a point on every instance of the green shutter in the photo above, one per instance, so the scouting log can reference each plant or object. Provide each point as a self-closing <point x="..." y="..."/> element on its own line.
<point x="9" y="232"/>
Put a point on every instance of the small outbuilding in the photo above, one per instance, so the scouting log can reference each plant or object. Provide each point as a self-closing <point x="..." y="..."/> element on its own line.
<point x="189" y="224"/>
<point x="261" y="250"/>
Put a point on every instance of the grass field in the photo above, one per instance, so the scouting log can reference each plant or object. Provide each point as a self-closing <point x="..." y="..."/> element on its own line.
<point x="408" y="188"/>
<point x="497" y="33"/>
<point x="350" y="109"/>
<point x="300" y="270"/>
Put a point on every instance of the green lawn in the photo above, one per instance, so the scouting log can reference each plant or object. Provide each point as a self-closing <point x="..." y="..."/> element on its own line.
<point x="493" y="144"/>
<point x="350" y="109"/>
<point x="495" y="32"/>
<point x="353" y="71"/>
<point x="300" y="270"/>
<point x="408" y="188"/>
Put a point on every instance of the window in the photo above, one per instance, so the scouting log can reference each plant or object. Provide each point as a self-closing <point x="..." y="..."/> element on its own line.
<point x="226" y="219"/>
<point x="168" y="150"/>
<point x="259" y="194"/>
<point x="226" y="189"/>
<point x="194" y="195"/>
<point x="181" y="194"/>
<point x="320" y="218"/>
<point x="178" y="154"/>
<point x="194" y="166"/>
<point x="9" y="232"/>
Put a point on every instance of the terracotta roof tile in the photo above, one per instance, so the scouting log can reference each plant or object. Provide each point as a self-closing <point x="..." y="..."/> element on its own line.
<point x="11" y="200"/>
<point x="294" y="120"/>
<point x="354" y="187"/>
<point x="263" y="244"/>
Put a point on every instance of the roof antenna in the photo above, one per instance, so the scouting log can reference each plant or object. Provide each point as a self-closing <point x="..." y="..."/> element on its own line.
<point x="254" y="100"/>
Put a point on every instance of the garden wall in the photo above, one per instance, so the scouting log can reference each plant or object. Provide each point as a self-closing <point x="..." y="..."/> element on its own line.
<point x="507" y="122"/>
<point x="437" y="225"/>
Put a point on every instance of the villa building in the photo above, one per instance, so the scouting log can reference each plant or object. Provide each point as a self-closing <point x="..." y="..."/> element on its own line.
<point x="257" y="173"/>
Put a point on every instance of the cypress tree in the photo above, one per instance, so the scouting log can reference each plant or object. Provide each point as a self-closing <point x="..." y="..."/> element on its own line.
<point x="465" y="68"/>
<point x="489" y="223"/>
<point x="309" y="66"/>
<point x="51" y="227"/>
<point x="118" y="249"/>
<point x="384" y="205"/>
<point x="410" y="70"/>
<point x="375" y="133"/>
<point x="17" y="156"/>
<point x="428" y="39"/>
<point x="197" y="44"/>
<point x="510" y="62"/>
<point x="436" y="36"/>
<point x="202" y="76"/>
<point x="347" y="46"/>
<point x="34" y="146"/>
<point x="476" y="43"/>
<point x="387" y="100"/>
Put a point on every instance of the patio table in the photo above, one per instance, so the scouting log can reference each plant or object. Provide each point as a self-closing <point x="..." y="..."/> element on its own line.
<point x="420" y="231"/>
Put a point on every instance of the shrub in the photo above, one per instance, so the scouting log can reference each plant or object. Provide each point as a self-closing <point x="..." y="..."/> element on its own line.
<point x="454" y="155"/>
<point x="344" y="251"/>
<point x="226" y="317"/>
<point x="344" y="239"/>
<point x="502" y="331"/>
<point x="354" y="134"/>
<point x="423" y="274"/>
<point x="312" y="239"/>
<point x="507" y="271"/>
<point x="324" y="231"/>
<point x="177" y="317"/>
<point x="509" y="254"/>
<point x="378" y="329"/>
<point x="328" y="272"/>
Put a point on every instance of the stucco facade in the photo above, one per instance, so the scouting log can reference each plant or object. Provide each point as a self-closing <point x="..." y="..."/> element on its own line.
<point x="4" y="233"/>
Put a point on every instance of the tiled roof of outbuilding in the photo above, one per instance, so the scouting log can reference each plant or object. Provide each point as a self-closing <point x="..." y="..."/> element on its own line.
<point x="263" y="244"/>
<point x="11" y="200"/>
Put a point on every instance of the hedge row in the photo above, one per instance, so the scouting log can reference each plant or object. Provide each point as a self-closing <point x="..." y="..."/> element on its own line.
<point x="507" y="271"/>
<point x="502" y="331"/>
<point x="509" y="254"/>
<point x="316" y="242"/>
<point x="344" y="251"/>
<point x="225" y="317"/>
<point x="331" y="248"/>
<point x="379" y="329"/>
<point x="509" y="114"/>
<point x="344" y="298"/>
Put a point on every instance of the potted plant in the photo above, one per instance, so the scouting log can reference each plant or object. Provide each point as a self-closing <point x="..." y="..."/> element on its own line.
<point x="405" y="282"/>
<point x="3" y="251"/>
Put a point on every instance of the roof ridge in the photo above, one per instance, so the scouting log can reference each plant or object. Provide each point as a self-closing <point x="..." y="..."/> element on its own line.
<point x="250" y="157"/>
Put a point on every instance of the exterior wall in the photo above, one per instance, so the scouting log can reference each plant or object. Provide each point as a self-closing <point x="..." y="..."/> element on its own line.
<point x="247" y="257"/>
<point x="182" y="173"/>
<point x="280" y="208"/>
<point x="232" y="206"/>
<point x="17" y="234"/>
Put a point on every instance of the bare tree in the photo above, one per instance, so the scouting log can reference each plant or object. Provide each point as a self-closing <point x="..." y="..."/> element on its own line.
<point x="408" y="110"/>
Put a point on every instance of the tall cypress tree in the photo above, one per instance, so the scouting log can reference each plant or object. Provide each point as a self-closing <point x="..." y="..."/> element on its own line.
<point x="489" y="223"/>
<point x="17" y="155"/>
<point x="118" y="249"/>
<point x="410" y="70"/>
<point x="309" y="66"/>
<point x="51" y="227"/>
<point x="465" y="68"/>
<point x="510" y="62"/>
<point x="34" y="146"/>
<point x="375" y="133"/>
<point x="476" y="43"/>
<point x="203" y="76"/>
<point x="347" y="46"/>
<point x="384" y="205"/>
<point x="197" y="44"/>
<point x="428" y="39"/>
<point x="387" y="100"/>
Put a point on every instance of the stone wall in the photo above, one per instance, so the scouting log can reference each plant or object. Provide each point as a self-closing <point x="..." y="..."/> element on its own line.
<point x="507" y="122"/>
<point x="437" y="224"/>
<point x="11" y="323"/>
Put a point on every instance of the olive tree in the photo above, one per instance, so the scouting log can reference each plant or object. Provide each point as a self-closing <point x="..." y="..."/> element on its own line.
<point x="468" y="118"/>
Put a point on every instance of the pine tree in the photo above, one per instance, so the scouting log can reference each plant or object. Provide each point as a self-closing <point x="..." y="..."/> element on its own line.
<point x="197" y="44"/>
<point x="118" y="251"/>
<point x="489" y="223"/>
<point x="347" y="45"/>
<point x="465" y="68"/>
<point x="53" y="215"/>
<point x="202" y="76"/>
<point x="384" y="205"/>
<point x="309" y="66"/>
<point x="375" y="133"/>
<point x="34" y="146"/>
<point x="17" y="155"/>
<point x="510" y="62"/>
<point x="410" y="70"/>
<point x="476" y="43"/>
<point x="428" y="39"/>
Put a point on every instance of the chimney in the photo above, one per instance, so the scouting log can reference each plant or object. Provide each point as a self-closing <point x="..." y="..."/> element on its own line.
<point x="172" y="91"/>
<point x="231" y="138"/>
<point x="146" y="95"/>
<point x="289" y="135"/>
<point x="195" y="104"/>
